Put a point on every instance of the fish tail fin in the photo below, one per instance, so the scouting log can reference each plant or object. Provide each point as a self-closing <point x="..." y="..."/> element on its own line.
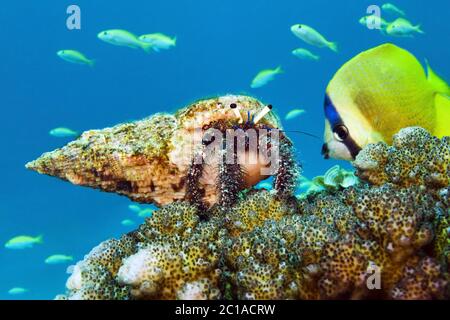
<point x="40" y="239"/>
<point x="442" y="105"/>
<point x="439" y="84"/>
<point x="419" y="30"/>
<point x="92" y="63"/>
<point x="175" y="41"/>
<point x="279" y="70"/>
<point x="333" y="46"/>
<point x="316" y="57"/>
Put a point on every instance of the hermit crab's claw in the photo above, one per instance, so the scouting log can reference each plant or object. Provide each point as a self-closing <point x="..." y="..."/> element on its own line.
<point x="262" y="114"/>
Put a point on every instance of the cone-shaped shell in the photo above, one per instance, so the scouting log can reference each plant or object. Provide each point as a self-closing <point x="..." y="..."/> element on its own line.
<point x="146" y="160"/>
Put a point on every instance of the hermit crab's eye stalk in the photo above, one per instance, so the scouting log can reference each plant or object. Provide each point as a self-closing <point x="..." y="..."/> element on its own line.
<point x="263" y="113"/>
<point x="236" y="111"/>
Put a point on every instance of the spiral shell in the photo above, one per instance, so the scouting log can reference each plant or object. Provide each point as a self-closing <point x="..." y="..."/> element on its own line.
<point x="146" y="160"/>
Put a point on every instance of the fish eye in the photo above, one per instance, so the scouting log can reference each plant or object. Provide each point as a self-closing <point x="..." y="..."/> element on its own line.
<point x="299" y="26"/>
<point x="233" y="105"/>
<point x="105" y="33"/>
<point x="340" y="132"/>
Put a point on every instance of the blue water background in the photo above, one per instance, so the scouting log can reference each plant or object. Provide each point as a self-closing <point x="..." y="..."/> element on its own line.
<point x="221" y="46"/>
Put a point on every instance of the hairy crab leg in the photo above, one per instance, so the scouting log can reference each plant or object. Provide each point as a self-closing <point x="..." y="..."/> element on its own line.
<point x="194" y="194"/>
<point x="230" y="183"/>
<point x="288" y="170"/>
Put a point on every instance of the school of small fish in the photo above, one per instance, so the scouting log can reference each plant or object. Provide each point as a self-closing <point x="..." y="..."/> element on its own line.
<point x="154" y="42"/>
<point x="400" y="27"/>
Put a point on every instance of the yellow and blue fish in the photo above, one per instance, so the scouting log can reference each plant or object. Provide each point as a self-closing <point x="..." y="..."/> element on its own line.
<point x="377" y="93"/>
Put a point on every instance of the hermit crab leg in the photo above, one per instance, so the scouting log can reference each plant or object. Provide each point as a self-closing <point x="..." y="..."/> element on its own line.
<point x="288" y="171"/>
<point x="194" y="194"/>
<point x="230" y="183"/>
<point x="262" y="114"/>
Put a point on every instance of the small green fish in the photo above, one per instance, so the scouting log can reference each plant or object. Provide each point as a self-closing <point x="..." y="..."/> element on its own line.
<point x="17" y="291"/>
<point x="392" y="8"/>
<point x="312" y="37"/>
<point x="159" y="41"/>
<point x="264" y="77"/>
<point x="23" y="242"/>
<point x="58" y="259"/>
<point x="74" y="56"/>
<point x="402" y="28"/>
<point x="305" y="54"/>
<point x="63" y="133"/>
<point x="373" y="20"/>
<point x="127" y="223"/>
<point x="135" y="208"/>
<point x="294" y="114"/>
<point x="124" y="38"/>
<point x="146" y="213"/>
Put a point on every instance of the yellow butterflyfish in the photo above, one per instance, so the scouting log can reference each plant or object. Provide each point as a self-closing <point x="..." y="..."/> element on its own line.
<point x="377" y="93"/>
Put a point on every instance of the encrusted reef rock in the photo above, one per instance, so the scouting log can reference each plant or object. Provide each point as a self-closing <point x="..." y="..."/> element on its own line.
<point x="421" y="160"/>
<point x="385" y="238"/>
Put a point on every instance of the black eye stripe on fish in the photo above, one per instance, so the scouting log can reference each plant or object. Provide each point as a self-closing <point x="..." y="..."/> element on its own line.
<point x="336" y="121"/>
<point x="352" y="146"/>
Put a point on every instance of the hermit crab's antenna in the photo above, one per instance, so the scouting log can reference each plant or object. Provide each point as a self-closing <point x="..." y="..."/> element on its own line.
<point x="262" y="114"/>
<point x="236" y="111"/>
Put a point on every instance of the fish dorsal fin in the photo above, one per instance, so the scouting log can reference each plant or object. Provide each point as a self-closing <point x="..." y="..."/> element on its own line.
<point x="437" y="82"/>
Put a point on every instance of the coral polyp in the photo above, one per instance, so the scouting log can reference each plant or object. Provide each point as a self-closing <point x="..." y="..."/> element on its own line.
<point x="386" y="237"/>
<point x="163" y="159"/>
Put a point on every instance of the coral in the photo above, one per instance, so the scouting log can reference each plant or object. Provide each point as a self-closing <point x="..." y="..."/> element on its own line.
<point x="415" y="157"/>
<point x="93" y="277"/>
<point x="153" y="160"/>
<point x="385" y="238"/>
<point x="171" y="255"/>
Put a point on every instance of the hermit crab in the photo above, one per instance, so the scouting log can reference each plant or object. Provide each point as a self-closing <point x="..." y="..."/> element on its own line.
<point x="204" y="153"/>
